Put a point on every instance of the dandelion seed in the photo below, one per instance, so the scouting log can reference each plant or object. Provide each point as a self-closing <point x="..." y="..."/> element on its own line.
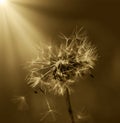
<point x="50" y="111"/>
<point x="58" y="71"/>
<point x="21" y="103"/>
<point x="34" y="81"/>
<point x="83" y="114"/>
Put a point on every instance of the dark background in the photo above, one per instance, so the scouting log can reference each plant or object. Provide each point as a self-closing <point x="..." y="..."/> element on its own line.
<point x="100" y="96"/>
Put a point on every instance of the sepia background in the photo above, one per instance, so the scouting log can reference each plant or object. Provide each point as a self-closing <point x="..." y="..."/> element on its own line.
<point x="24" y="24"/>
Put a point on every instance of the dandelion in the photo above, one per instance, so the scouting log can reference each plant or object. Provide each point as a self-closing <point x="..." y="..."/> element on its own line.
<point x="57" y="68"/>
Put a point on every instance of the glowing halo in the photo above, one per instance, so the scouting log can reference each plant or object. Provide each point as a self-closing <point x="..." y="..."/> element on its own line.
<point x="3" y="2"/>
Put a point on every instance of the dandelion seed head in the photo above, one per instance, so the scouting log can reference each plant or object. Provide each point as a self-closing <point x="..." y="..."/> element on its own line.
<point x="58" y="70"/>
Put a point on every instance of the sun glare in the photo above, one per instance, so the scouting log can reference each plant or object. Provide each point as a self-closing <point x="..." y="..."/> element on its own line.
<point x="2" y="2"/>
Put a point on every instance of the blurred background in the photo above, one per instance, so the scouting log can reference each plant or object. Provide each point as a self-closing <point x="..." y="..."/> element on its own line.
<point x="24" y="24"/>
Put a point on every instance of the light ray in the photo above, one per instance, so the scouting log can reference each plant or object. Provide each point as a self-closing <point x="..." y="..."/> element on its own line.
<point x="3" y="2"/>
<point x="18" y="39"/>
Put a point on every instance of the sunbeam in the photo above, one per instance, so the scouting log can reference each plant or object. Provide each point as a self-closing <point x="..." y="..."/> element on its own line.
<point x="18" y="41"/>
<point x="3" y="2"/>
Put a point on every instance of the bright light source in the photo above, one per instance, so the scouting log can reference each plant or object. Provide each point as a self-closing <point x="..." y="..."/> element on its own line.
<point x="2" y="2"/>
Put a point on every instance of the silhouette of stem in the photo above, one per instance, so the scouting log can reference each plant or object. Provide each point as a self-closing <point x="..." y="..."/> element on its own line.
<point x="70" y="111"/>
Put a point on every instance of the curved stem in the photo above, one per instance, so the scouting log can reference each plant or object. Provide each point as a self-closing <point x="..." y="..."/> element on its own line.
<point x="70" y="111"/>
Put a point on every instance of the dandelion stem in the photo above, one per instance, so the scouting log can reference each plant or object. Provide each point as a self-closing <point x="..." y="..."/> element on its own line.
<point x="70" y="111"/>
